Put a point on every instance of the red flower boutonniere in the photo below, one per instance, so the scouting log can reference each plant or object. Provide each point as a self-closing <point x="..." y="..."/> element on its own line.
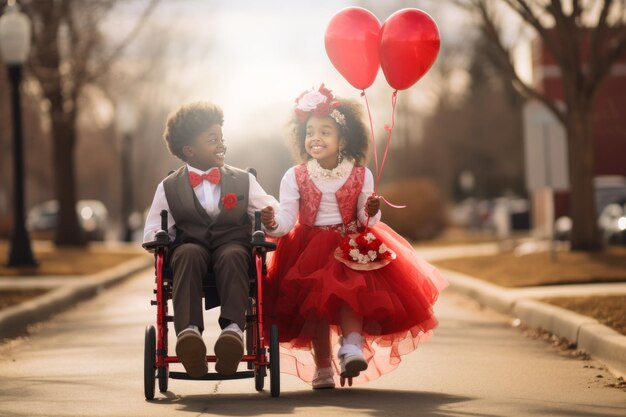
<point x="229" y="201"/>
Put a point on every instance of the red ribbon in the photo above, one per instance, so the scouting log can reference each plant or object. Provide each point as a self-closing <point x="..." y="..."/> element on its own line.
<point x="389" y="129"/>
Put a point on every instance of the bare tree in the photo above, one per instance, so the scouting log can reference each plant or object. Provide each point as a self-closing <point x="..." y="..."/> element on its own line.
<point x="70" y="52"/>
<point x="585" y="39"/>
<point x="461" y="136"/>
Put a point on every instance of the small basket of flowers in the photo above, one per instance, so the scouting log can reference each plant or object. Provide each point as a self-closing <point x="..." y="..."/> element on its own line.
<point x="364" y="252"/>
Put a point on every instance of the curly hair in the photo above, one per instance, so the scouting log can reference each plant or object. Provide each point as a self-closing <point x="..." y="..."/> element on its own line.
<point x="355" y="133"/>
<point x="185" y="124"/>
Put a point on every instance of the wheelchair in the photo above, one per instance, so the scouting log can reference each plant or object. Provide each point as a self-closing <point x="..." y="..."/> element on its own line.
<point x="261" y="353"/>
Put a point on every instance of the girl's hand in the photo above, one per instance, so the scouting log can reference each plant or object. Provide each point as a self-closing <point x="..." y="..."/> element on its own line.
<point x="267" y="218"/>
<point x="372" y="205"/>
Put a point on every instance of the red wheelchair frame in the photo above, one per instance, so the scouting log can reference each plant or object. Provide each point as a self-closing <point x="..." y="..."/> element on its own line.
<point x="261" y="354"/>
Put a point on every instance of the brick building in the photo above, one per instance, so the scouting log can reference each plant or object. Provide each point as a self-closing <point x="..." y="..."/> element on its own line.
<point x="609" y="131"/>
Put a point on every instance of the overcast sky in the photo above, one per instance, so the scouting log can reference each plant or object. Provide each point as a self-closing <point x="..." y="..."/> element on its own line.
<point x="254" y="57"/>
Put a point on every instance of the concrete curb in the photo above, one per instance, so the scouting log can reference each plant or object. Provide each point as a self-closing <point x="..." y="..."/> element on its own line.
<point x="557" y="320"/>
<point x="605" y="344"/>
<point x="14" y="320"/>
<point x="485" y="293"/>
<point x="601" y="342"/>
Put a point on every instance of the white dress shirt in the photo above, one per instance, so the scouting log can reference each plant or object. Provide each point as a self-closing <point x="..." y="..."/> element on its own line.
<point x="208" y="195"/>
<point x="328" y="213"/>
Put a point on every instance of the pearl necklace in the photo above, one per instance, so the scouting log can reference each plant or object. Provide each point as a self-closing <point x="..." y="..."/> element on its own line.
<point x="342" y="170"/>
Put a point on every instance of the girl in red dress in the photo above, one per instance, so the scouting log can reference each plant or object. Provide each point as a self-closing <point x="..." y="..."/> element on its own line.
<point x="340" y="280"/>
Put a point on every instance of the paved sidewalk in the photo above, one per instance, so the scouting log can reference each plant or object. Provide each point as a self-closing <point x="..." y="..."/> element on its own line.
<point x="62" y="292"/>
<point x="89" y="362"/>
<point x="589" y="335"/>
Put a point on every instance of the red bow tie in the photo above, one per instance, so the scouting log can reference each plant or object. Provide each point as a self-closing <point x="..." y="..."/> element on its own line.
<point x="213" y="176"/>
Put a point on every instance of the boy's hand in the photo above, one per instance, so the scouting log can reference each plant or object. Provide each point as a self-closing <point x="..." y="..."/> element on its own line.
<point x="372" y="205"/>
<point x="267" y="218"/>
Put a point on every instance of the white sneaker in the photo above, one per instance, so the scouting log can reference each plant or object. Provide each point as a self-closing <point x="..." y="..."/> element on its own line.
<point x="323" y="379"/>
<point x="352" y="365"/>
<point x="351" y="357"/>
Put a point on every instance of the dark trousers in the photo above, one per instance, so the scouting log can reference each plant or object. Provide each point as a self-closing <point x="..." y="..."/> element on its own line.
<point x="230" y="264"/>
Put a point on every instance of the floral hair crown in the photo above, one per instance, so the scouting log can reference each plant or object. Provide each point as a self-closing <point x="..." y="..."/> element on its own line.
<point x="319" y="103"/>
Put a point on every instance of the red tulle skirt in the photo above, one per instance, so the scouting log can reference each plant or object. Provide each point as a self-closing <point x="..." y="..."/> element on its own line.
<point x="306" y="288"/>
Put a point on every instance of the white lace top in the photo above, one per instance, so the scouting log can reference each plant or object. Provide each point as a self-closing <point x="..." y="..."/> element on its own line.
<point x="328" y="182"/>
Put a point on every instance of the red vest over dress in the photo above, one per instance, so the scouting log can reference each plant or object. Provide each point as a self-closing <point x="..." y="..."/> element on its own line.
<point x="310" y="196"/>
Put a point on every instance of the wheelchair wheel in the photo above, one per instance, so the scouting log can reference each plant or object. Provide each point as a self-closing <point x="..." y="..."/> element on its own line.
<point x="251" y="335"/>
<point x="274" y="362"/>
<point x="259" y="378"/>
<point x="163" y="377"/>
<point x="149" y="361"/>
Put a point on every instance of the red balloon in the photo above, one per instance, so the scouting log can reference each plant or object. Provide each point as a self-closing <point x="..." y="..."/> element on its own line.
<point x="351" y="40"/>
<point x="409" y="44"/>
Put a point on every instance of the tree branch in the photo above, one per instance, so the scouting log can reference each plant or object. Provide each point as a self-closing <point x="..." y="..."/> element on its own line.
<point x="106" y="65"/>
<point x="523" y="9"/>
<point x="577" y="12"/>
<point x="615" y="50"/>
<point x="597" y="68"/>
<point x="570" y="41"/>
<point x="492" y="34"/>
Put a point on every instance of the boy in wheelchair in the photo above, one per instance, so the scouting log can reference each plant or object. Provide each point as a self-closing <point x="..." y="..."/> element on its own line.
<point x="210" y="208"/>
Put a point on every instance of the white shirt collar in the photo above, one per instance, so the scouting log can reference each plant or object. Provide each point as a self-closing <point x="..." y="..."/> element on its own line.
<point x="197" y="171"/>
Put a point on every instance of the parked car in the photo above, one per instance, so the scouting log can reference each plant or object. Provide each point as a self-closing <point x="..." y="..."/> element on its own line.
<point x="611" y="222"/>
<point x="92" y="215"/>
<point x="500" y="215"/>
<point x="563" y="228"/>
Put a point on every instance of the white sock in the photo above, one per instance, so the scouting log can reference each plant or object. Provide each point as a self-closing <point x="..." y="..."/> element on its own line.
<point x="234" y="327"/>
<point x="191" y="327"/>
<point x="354" y="338"/>
<point x="351" y="345"/>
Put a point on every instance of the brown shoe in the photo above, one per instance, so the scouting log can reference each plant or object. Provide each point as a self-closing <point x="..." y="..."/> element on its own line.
<point x="229" y="351"/>
<point x="191" y="351"/>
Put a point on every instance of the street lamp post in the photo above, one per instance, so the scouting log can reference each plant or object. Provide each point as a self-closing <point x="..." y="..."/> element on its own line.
<point x="126" y="123"/>
<point x="15" y="46"/>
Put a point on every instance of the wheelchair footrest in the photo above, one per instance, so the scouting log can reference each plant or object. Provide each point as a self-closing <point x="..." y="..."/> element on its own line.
<point x="212" y="376"/>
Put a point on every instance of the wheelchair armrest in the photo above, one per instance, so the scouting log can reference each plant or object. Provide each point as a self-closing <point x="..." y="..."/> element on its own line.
<point x="259" y="241"/>
<point x="161" y="240"/>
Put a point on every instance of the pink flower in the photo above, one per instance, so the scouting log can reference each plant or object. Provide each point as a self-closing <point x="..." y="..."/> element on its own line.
<point x="318" y="102"/>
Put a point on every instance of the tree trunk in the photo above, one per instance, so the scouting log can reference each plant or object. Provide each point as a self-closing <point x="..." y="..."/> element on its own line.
<point x="63" y="120"/>
<point x="68" y="232"/>
<point x="585" y="235"/>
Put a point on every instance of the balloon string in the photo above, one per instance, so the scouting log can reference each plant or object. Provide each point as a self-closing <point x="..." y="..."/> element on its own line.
<point x="379" y="169"/>
<point x="369" y="115"/>
<point x="389" y="129"/>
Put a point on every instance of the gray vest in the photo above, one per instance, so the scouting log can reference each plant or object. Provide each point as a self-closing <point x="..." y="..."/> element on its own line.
<point x="193" y="223"/>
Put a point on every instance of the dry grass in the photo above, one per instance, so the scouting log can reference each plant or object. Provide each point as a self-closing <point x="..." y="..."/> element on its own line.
<point x="536" y="269"/>
<point x="56" y="261"/>
<point x="608" y="310"/>
<point x="453" y="236"/>
<point x="509" y="270"/>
